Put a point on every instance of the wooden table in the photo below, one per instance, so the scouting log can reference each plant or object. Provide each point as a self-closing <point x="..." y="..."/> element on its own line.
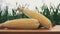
<point x="54" y="29"/>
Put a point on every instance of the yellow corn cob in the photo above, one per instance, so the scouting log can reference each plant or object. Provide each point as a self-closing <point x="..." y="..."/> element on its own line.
<point x="42" y="19"/>
<point x="22" y="23"/>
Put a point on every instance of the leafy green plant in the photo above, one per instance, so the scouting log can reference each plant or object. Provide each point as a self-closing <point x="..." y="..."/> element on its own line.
<point x="0" y="16"/>
<point x="5" y="16"/>
<point x="53" y="15"/>
<point x="46" y="12"/>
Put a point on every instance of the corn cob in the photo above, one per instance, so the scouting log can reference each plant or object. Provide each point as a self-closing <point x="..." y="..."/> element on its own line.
<point x="22" y="23"/>
<point x="42" y="19"/>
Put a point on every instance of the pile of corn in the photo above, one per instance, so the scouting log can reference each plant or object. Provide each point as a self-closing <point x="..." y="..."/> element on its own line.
<point x="41" y="18"/>
<point x="34" y="21"/>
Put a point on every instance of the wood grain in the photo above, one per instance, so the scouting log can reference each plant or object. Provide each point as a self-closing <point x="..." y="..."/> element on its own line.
<point x="54" y="29"/>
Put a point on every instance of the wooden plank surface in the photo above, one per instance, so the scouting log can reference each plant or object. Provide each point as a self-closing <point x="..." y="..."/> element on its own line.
<point x="54" y="29"/>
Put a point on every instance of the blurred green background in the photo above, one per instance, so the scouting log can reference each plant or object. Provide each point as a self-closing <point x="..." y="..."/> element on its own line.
<point x="51" y="13"/>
